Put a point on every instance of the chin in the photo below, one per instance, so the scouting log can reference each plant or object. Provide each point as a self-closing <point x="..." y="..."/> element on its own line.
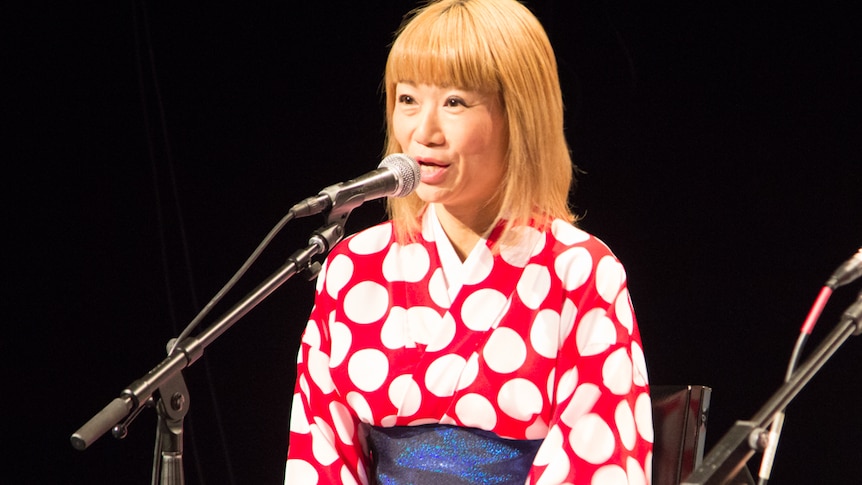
<point x="429" y="194"/>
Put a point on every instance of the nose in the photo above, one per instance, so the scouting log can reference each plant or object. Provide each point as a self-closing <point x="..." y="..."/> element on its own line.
<point x="428" y="131"/>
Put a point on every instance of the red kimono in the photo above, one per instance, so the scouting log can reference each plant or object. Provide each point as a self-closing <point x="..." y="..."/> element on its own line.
<point x="535" y="341"/>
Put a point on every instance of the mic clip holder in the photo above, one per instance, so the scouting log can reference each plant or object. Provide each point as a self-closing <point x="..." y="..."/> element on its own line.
<point x="323" y="240"/>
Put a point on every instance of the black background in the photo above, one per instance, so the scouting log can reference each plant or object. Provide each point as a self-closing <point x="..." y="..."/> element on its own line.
<point x="149" y="149"/>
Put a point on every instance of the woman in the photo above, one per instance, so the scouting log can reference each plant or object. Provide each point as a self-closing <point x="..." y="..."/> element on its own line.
<point x="478" y="336"/>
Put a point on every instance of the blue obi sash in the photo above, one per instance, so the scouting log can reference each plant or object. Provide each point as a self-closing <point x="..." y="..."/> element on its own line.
<point x="437" y="453"/>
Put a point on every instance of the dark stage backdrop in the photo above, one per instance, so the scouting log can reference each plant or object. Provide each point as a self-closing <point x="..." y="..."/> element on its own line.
<point x="150" y="147"/>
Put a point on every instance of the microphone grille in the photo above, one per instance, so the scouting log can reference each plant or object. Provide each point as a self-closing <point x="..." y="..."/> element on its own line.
<point x="406" y="170"/>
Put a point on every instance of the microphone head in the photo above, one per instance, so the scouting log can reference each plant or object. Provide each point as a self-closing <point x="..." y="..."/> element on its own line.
<point x="406" y="171"/>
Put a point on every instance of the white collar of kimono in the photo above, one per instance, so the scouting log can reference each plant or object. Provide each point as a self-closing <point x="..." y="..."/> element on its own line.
<point x="454" y="270"/>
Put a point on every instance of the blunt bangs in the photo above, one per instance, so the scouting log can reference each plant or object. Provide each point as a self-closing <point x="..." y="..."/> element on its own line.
<point x="451" y="51"/>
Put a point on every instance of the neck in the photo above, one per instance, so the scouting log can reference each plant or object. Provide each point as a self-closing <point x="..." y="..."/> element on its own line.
<point x="464" y="229"/>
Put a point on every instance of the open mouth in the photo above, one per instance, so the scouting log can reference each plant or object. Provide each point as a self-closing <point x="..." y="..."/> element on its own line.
<point x="432" y="171"/>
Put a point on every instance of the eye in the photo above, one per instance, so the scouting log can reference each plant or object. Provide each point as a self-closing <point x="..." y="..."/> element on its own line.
<point x="405" y="99"/>
<point x="455" y="102"/>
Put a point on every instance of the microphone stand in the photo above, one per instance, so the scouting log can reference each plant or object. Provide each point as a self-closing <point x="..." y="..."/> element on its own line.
<point x="727" y="458"/>
<point x="164" y="387"/>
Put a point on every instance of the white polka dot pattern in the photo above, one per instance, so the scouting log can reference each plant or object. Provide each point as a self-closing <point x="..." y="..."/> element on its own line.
<point x="596" y="333"/>
<point x="625" y="420"/>
<point x="368" y="368"/>
<point x="339" y="271"/>
<point x="341" y="340"/>
<point x="539" y="343"/>
<point x="366" y="302"/>
<point x="623" y="310"/>
<point x="405" y="394"/>
<point x="481" y="309"/>
<point x="469" y="374"/>
<point x="437" y="289"/>
<point x="545" y="332"/>
<point x="483" y="268"/>
<point x="370" y="241"/>
<point x="344" y="425"/>
<point x="592" y="439"/>
<point x="300" y="471"/>
<point x="518" y="255"/>
<point x="505" y="352"/>
<point x="393" y="270"/>
<point x="520" y="399"/>
<point x="609" y="276"/>
<point x="610" y="475"/>
<point x="476" y="411"/>
<point x="322" y="440"/>
<point x="442" y="375"/>
<point x="534" y="285"/>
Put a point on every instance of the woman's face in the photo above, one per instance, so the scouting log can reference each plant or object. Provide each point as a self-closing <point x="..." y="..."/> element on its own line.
<point x="459" y="138"/>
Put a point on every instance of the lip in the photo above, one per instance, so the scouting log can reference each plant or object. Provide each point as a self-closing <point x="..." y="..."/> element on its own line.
<point x="432" y="171"/>
<point x="430" y="161"/>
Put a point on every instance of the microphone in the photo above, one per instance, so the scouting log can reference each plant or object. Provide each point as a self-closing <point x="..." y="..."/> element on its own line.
<point x="396" y="176"/>
<point x="847" y="272"/>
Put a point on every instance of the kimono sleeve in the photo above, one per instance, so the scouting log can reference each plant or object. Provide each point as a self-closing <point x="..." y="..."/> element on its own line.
<point x="601" y="429"/>
<point x="325" y="445"/>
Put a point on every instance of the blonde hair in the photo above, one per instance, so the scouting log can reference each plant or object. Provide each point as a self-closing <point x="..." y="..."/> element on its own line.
<point x="495" y="47"/>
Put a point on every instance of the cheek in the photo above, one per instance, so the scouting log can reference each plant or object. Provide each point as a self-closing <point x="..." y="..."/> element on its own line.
<point x="485" y="134"/>
<point x="482" y="142"/>
<point x="400" y="130"/>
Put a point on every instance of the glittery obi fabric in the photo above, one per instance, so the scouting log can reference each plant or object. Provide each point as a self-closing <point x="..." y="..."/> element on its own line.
<point x="436" y="453"/>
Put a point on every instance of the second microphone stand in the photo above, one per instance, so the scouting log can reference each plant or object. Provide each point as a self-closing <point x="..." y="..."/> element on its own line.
<point x="727" y="458"/>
